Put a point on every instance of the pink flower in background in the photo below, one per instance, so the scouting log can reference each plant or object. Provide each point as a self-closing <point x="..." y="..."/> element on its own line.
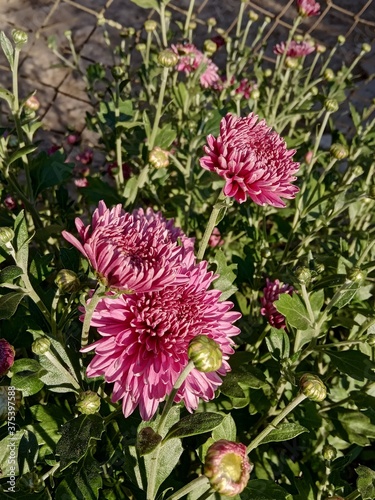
<point x="271" y="293"/>
<point x="190" y="59"/>
<point x="85" y="157"/>
<point x="253" y="160"/>
<point x="81" y="182"/>
<point x="73" y="138"/>
<point x="6" y="356"/>
<point x="245" y="87"/>
<point x="9" y="202"/>
<point x="145" y="340"/>
<point x="294" y="49"/>
<point x="308" y="8"/>
<point x="136" y="252"/>
<point x="215" y="238"/>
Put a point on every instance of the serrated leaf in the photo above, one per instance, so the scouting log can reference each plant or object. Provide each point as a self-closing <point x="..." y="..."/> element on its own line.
<point x="10" y="273"/>
<point x="347" y="294"/>
<point x="26" y="150"/>
<point x="83" y="481"/>
<point x="165" y="136"/>
<point x="224" y="282"/>
<point x="261" y="489"/>
<point x="9" y="304"/>
<point x="317" y="301"/>
<point x="26" y="376"/>
<point x="353" y="363"/>
<point x="284" y="432"/>
<point x="366" y="482"/>
<point x="7" y="47"/>
<point x="294" y="310"/>
<point x="192" y="425"/>
<point x="76" y="437"/>
<point x="278" y="343"/>
<point x="226" y="430"/>
<point x="354" y="426"/>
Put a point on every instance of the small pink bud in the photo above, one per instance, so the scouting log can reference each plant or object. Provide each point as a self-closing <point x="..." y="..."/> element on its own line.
<point x="7" y="353"/>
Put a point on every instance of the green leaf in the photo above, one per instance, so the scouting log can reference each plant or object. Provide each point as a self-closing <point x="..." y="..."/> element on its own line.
<point x="353" y="363"/>
<point x="76" y="437"/>
<point x="261" y="489"/>
<point x="192" y="425"/>
<point x="224" y="282"/>
<point x="83" y="481"/>
<point x="278" y="343"/>
<point x="97" y="190"/>
<point x="7" y="96"/>
<point x="21" y="243"/>
<point x="10" y="273"/>
<point x="8" y="49"/>
<point x="9" y="304"/>
<point x="284" y="432"/>
<point x="355" y="426"/>
<point x="49" y="170"/>
<point x="146" y="124"/>
<point x="165" y="136"/>
<point x="226" y="430"/>
<point x="317" y="301"/>
<point x="294" y="310"/>
<point x="48" y="421"/>
<point x="181" y="94"/>
<point x="147" y="4"/>
<point x="26" y="150"/>
<point x="26" y="376"/>
<point x="366" y="482"/>
<point x="9" y="444"/>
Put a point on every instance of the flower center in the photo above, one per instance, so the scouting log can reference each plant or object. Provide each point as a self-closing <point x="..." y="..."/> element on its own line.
<point x="232" y="465"/>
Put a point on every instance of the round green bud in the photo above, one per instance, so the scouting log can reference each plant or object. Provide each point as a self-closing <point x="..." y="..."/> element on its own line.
<point x="268" y="72"/>
<point x="68" y="34"/>
<point x="291" y="63"/>
<point x="303" y="275"/>
<point x="221" y="31"/>
<point x="339" y="151"/>
<point x="357" y="275"/>
<point x="267" y="20"/>
<point x="331" y="105"/>
<point x="158" y="158"/>
<point x="320" y="48"/>
<point x="265" y="253"/>
<point x="312" y="387"/>
<point x="141" y="47"/>
<point x="253" y="16"/>
<point x="211" y="21"/>
<point x="40" y="346"/>
<point x="192" y="25"/>
<point x="299" y="38"/>
<point x="314" y="90"/>
<point x="357" y="170"/>
<point x="329" y="75"/>
<point x="19" y="37"/>
<point x="329" y="452"/>
<point x="168" y="58"/>
<point x="209" y="47"/>
<point x="88" y="403"/>
<point x="6" y="235"/>
<point x="67" y="281"/>
<point x="205" y="353"/>
<point x="341" y="39"/>
<point x="32" y="103"/>
<point x="128" y="32"/>
<point x="118" y="72"/>
<point x="30" y="483"/>
<point x="255" y="94"/>
<point x="366" y="47"/>
<point x="150" y="25"/>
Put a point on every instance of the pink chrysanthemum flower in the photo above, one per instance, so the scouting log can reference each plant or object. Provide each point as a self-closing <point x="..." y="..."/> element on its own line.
<point x="6" y="356"/>
<point x="308" y="8"/>
<point x="190" y="59"/>
<point x="146" y="337"/>
<point x="253" y="160"/>
<point x="271" y="293"/>
<point x="135" y="252"/>
<point x="294" y="49"/>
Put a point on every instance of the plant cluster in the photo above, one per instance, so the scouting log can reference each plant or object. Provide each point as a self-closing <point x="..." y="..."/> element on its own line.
<point x="126" y="371"/>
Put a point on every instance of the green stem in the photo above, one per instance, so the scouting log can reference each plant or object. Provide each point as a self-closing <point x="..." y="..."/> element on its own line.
<point x="193" y="485"/>
<point x="278" y="97"/>
<point x="148" y="47"/>
<point x="245" y="35"/>
<point x="210" y="225"/>
<point x="239" y="20"/>
<point x="51" y="471"/>
<point x="90" y="308"/>
<point x="283" y="56"/>
<point x="306" y="299"/>
<point x="355" y="494"/>
<point x="270" y="427"/>
<point x="159" y="108"/>
<point x="188" y="17"/>
<point x="162" y="24"/>
<point x="119" y="177"/>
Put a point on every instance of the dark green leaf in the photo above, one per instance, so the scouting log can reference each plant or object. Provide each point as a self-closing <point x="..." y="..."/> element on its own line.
<point x="197" y="423"/>
<point x="366" y="482"/>
<point x="226" y="430"/>
<point x="353" y="363"/>
<point x="97" y="190"/>
<point x="26" y="150"/>
<point x="49" y="170"/>
<point x="294" y="310"/>
<point x="261" y="489"/>
<point x="76" y="437"/>
<point x="165" y="137"/>
<point x="278" y="343"/>
<point x="26" y="376"/>
<point x="82" y="482"/>
<point x="181" y="94"/>
<point x="10" y="273"/>
<point x="224" y="282"/>
<point x="48" y="421"/>
<point x="9" y="304"/>
<point x="7" y="47"/>
<point x="284" y="432"/>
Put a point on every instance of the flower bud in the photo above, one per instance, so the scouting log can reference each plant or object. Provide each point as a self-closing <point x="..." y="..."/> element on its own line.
<point x="141" y="47"/>
<point x="158" y="158"/>
<point x="366" y="47"/>
<point x="88" y="403"/>
<point x="267" y="20"/>
<point x="7" y="354"/>
<point x="117" y="72"/>
<point x="265" y="252"/>
<point x="357" y="275"/>
<point x="209" y="47"/>
<point x="8" y="393"/>
<point x="303" y="275"/>
<point x="168" y="58"/>
<point x="291" y="63"/>
<point x="19" y="37"/>
<point x="67" y="281"/>
<point x="128" y="32"/>
<point x="150" y="25"/>
<point x="32" y="103"/>
<point x="205" y="353"/>
<point x="357" y="171"/>
<point x="211" y="21"/>
<point x="30" y="482"/>
<point x="192" y="25"/>
<point x="253" y="16"/>
<point x="227" y="467"/>
<point x="339" y="151"/>
<point x="320" y="48"/>
<point x="40" y="346"/>
<point x="329" y="75"/>
<point x="312" y="387"/>
<point x="6" y="235"/>
<point x="331" y="105"/>
<point x="268" y="72"/>
<point x="341" y="39"/>
<point x="255" y="94"/>
<point x="329" y="452"/>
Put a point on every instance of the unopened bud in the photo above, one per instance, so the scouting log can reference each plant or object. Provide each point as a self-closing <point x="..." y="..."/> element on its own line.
<point x="6" y="235"/>
<point x="329" y="452"/>
<point x="341" y="39"/>
<point x="67" y="281"/>
<point x="30" y="482"/>
<point x="268" y="72"/>
<point x="366" y="47"/>
<point x="357" y="171"/>
<point x="141" y="47"/>
<point x="40" y="346"/>
<point x="128" y="32"/>
<point x="339" y="151"/>
<point x="265" y="253"/>
<point x="32" y="103"/>
<point x="291" y="63"/>
<point x="19" y="37"/>
<point x="227" y="467"/>
<point x="211" y="21"/>
<point x="150" y="25"/>
<point x="158" y="158"/>
<point x="205" y="354"/>
<point x="320" y="48"/>
<point x="117" y="72"/>
<point x="253" y="16"/>
<point x="267" y="20"/>
<point x="209" y="47"/>
<point x="331" y="105"/>
<point x="303" y="275"/>
<point x="255" y="94"/>
<point x="329" y="75"/>
<point x="192" y="25"/>
<point x="312" y="387"/>
<point x="7" y="354"/>
<point x="88" y="403"/>
<point x="168" y="58"/>
<point x="356" y="275"/>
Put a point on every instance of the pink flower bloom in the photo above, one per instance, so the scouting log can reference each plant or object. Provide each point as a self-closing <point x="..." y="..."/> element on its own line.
<point x="85" y="157"/>
<point x="294" y="49"/>
<point x="136" y="252"/>
<point x="308" y="8"/>
<point x="271" y="293"/>
<point x="73" y="139"/>
<point x="215" y="238"/>
<point x="82" y="182"/>
<point x="191" y="59"/>
<point x="253" y="160"/>
<point x="6" y="356"/>
<point x="146" y="337"/>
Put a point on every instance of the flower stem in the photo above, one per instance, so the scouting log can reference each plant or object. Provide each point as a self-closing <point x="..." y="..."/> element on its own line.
<point x="163" y="24"/>
<point x="119" y="177"/>
<point x="51" y="471"/>
<point x="210" y="225"/>
<point x="193" y="485"/>
<point x="90" y="308"/>
<point x="270" y="427"/>
<point x="159" y="108"/>
<point x="188" y="18"/>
